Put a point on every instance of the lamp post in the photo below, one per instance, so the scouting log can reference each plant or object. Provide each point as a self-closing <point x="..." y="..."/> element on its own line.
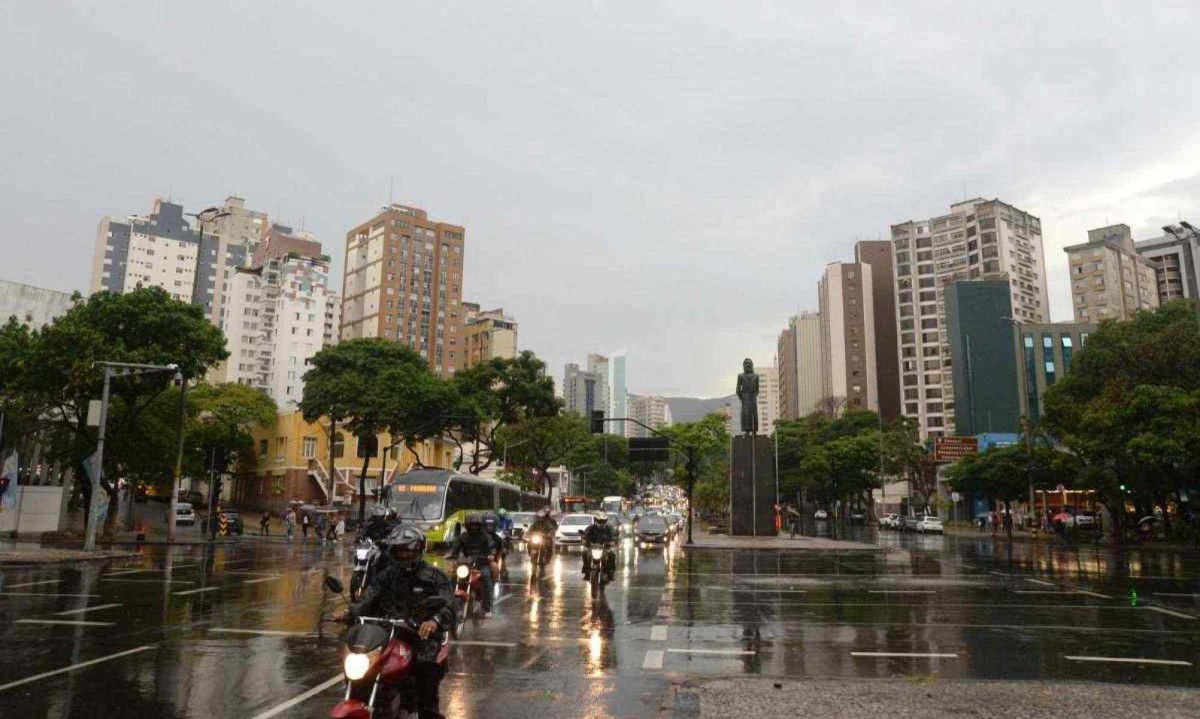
<point x="111" y="369"/>
<point x="178" y="475"/>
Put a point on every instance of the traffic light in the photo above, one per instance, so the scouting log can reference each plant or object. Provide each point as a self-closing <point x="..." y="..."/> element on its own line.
<point x="597" y="421"/>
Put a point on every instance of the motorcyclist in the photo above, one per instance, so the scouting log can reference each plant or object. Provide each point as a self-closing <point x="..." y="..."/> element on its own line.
<point x="472" y="543"/>
<point x="403" y="591"/>
<point x="544" y="524"/>
<point x="379" y="525"/>
<point x="598" y="534"/>
<point x="504" y="523"/>
<point x="490" y="526"/>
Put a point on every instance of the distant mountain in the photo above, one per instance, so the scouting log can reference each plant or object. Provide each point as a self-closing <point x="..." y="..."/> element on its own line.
<point x="690" y="409"/>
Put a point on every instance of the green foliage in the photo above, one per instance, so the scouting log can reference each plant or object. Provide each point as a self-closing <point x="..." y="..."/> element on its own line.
<point x="539" y="443"/>
<point x="1004" y="473"/>
<point x="706" y="443"/>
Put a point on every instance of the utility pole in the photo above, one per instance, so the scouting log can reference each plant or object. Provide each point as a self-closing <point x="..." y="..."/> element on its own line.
<point x="178" y="476"/>
<point x="89" y="537"/>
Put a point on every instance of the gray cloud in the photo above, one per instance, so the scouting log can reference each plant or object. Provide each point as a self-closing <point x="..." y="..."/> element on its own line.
<point x="668" y="178"/>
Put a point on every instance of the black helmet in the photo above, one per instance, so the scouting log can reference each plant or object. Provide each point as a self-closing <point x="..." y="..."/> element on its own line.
<point x="489" y="521"/>
<point x="406" y="540"/>
<point x="391" y="514"/>
<point x="473" y="520"/>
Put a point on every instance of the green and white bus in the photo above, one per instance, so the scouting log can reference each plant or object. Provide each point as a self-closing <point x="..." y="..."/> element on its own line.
<point x="439" y="500"/>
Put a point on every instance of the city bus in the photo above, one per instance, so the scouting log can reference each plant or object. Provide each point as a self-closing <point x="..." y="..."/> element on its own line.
<point x="612" y="505"/>
<point x="439" y="500"/>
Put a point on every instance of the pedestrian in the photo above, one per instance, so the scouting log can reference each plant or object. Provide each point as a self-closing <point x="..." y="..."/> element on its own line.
<point x="982" y="522"/>
<point x="994" y="520"/>
<point x="304" y="524"/>
<point x="339" y="529"/>
<point x="264" y="524"/>
<point x="289" y="518"/>
<point x="322" y="526"/>
<point x="1008" y="522"/>
<point x="794" y="519"/>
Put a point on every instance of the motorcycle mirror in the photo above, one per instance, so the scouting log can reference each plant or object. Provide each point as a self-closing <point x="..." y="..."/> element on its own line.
<point x="333" y="585"/>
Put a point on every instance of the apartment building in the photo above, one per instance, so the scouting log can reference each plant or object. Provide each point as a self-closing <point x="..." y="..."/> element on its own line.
<point x="403" y="281"/>
<point x="848" y="333"/>
<point x="877" y="254"/>
<point x="1109" y="279"/>
<point x="487" y="334"/>
<point x="582" y="391"/>
<point x="978" y="239"/>
<point x="1175" y="258"/>
<point x="789" y="375"/>
<point x="649" y="410"/>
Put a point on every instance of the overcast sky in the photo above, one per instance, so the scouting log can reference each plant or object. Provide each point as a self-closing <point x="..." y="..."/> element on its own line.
<point x="667" y="178"/>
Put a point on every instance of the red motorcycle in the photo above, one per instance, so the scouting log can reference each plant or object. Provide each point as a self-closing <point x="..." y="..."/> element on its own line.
<point x="379" y="664"/>
<point x="468" y="591"/>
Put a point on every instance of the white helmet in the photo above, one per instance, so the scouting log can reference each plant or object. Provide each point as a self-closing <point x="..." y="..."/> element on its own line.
<point x="601" y="518"/>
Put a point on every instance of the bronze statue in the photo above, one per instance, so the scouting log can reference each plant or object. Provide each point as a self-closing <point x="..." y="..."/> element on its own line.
<point x="747" y="392"/>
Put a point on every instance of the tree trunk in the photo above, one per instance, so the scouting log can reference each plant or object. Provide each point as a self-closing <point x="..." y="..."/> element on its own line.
<point x="362" y="491"/>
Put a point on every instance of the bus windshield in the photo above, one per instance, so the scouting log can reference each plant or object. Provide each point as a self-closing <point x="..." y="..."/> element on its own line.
<point x="418" y="501"/>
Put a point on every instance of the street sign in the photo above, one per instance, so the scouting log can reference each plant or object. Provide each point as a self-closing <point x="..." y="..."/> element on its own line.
<point x="649" y="449"/>
<point x="93" y="415"/>
<point x="951" y="449"/>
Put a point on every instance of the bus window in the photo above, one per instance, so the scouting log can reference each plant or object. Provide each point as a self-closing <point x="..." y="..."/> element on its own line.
<point x="418" y="501"/>
<point x="509" y="499"/>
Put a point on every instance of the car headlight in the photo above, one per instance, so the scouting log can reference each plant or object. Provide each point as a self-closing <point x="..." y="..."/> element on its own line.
<point x="462" y="572"/>
<point x="535" y="539"/>
<point x="597" y="554"/>
<point x="356" y="666"/>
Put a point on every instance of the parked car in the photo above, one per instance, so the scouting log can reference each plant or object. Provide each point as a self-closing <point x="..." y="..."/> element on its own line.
<point x="570" y="527"/>
<point x="185" y="514"/>
<point x="1084" y="520"/>
<point x="820" y="514"/>
<point x="888" y="521"/>
<point x="858" y="517"/>
<point x="928" y="524"/>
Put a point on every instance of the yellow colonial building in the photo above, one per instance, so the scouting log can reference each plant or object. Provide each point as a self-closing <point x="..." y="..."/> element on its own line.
<point x="292" y="464"/>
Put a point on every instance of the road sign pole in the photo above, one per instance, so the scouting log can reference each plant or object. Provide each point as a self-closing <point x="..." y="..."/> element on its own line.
<point x="89" y="537"/>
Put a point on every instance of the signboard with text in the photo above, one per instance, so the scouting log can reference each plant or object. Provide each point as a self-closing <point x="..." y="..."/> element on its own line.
<point x="951" y="449"/>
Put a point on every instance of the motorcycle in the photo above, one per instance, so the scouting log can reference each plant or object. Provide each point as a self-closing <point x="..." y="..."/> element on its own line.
<point x="379" y="664"/>
<point x="539" y="552"/>
<point x="601" y="558"/>
<point x="468" y="591"/>
<point x="366" y="554"/>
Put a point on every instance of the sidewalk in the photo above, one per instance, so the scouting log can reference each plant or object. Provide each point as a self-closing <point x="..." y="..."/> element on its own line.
<point x="705" y="540"/>
<point x="33" y="553"/>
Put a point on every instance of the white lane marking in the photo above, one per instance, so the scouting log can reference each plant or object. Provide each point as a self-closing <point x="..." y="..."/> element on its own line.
<point x="719" y="652"/>
<point x="470" y="643"/>
<point x="86" y="609"/>
<point x="281" y="708"/>
<point x="658" y="633"/>
<point x="195" y="591"/>
<point x="1157" y="594"/>
<point x="915" y="655"/>
<point x="1131" y="660"/>
<point x="71" y="622"/>
<point x="264" y="579"/>
<point x="653" y="660"/>
<point x="146" y="581"/>
<point x="1097" y="595"/>
<point x="500" y="599"/>
<point x="900" y="591"/>
<point x="263" y="632"/>
<point x="125" y="571"/>
<point x="73" y="667"/>
<point x="33" y="584"/>
<point x="1041" y="582"/>
<point x="1170" y="613"/>
<point x="998" y="574"/>
<point x="1046" y="592"/>
<point x="44" y="594"/>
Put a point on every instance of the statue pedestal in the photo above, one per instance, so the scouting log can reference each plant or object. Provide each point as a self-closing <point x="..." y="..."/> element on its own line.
<point x="752" y="486"/>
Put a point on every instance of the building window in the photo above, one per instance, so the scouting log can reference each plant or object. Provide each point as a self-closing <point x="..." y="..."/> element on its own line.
<point x="310" y="447"/>
<point x="263" y="447"/>
<point x="1067" y="350"/>
<point x="339" y="445"/>
<point x="1031" y="377"/>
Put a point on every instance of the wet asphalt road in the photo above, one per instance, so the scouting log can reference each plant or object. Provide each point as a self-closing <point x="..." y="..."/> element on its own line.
<point x="235" y="630"/>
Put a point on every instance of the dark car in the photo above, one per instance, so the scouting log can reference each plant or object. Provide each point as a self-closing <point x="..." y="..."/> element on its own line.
<point x="653" y="530"/>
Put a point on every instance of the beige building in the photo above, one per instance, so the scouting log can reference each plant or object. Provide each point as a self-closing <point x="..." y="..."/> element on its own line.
<point x="977" y="239"/>
<point x="812" y="370"/>
<point x="1175" y="258"/>
<point x="785" y="360"/>
<point x="649" y="410"/>
<point x="1109" y="280"/>
<point x="237" y="232"/>
<point x="848" y="333"/>
<point x="403" y="281"/>
<point x="487" y="334"/>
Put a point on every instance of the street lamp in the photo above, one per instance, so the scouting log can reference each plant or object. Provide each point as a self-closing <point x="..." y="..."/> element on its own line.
<point x="111" y="369"/>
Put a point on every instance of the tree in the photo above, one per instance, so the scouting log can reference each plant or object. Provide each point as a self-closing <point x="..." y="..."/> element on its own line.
<point x="1125" y="410"/>
<point x="1004" y="474"/>
<point x="20" y="415"/>
<point x="493" y="394"/>
<point x="539" y="443"/>
<point x="144" y="326"/>
<point x="701" y="452"/>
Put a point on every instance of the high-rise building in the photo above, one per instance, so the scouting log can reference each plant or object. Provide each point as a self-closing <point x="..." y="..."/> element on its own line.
<point x="403" y="281"/>
<point x="1109" y="280"/>
<point x="877" y="254"/>
<point x="1044" y="352"/>
<point x="1176" y="260"/>
<point x="785" y="360"/>
<point x="979" y="239"/>
<point x="275" y="316"/>
<point x="812" y="368"/>
<point x="487" y="334"/>
<point x="848" y="333"/>
<point x="600" y="367"/>
<point x="983" y="365"/>
<point x="34" y="307"/>
<point x="581" y="391"/>
<point x="163" y="250"/>
<point x="618" y="393"/>
<point x="649" y="410"/>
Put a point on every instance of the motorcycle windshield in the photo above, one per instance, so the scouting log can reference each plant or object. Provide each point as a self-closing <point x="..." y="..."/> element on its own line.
<point x="363" y="638"/>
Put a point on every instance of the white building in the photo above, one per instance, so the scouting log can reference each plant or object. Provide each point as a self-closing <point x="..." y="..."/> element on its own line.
<point x="812" y="373"/>
<point x="978" y="239"/>
<point x="1176" y="260"/>
<point x="277" y="315"/>
<point x="649" y="410"/>
<point x="34" y="307"/>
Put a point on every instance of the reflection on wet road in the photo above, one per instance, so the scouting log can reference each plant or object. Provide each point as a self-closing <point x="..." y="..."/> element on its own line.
<point x="236" y="631"/>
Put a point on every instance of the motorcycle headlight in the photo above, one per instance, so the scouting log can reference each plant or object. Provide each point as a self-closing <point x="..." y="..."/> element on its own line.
<point x="462" y="572"/>
<point x="535" y="539"/>
<point x="597" y="554"/>
<point x="356" y="666"/>
<point x="362" y="553"/>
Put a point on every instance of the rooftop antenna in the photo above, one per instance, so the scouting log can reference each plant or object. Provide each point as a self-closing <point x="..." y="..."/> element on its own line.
<point x="391" y="189"/>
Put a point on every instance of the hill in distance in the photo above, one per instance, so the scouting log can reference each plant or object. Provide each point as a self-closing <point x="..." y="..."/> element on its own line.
<point x="690" y="409"/>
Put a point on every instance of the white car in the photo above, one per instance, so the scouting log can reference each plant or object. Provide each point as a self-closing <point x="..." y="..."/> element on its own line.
<point x="821" y="514"/>
<point x="185" y="514"/>
<point x="930" y="524"/>
<point x="570" y="527"/>
<point x="888" y="521"/>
